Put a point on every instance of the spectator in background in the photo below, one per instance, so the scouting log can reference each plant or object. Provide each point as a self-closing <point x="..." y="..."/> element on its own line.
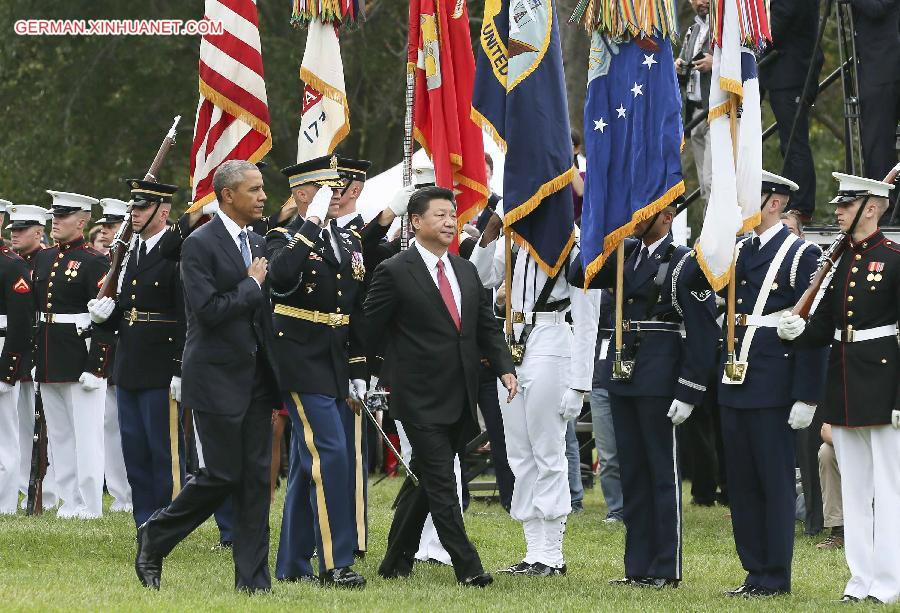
<point x="96" y="240"/>
<point x="832" y="503"/>
<point x="694" y="69"/>
<point x="580" y="163"/>
<point x="791" y="219"/>
<point x="794" y="25"/>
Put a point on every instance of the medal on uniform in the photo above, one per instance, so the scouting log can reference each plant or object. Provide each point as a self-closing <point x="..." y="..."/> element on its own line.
<point x="875" y="269"/>
<point x="359" y="269"/>
<point x="72" y="269"/>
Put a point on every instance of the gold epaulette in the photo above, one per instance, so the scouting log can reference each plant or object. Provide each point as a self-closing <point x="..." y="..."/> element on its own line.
<point x="278" y="229"/>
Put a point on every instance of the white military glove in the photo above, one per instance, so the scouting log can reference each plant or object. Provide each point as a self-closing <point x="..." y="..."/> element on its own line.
<point x="358" y="389"/>
<point x="895" y="419"/>
<point x="373" y="382"/>
<point x="319" y="205"/>
<point x="801" y="415"/>
<point x="679" y="411"/>
<point x="790" y="326"/>
<point x="175" y="389"/>
<point x="498" y="209"/>
<point x="400" y="201"/>
<point x="101" y="309"/>
<point x="6" y="388"/>
<point x="89" y="382"/>
<point x="210" y="208"/>
<point x="571" y="405"/>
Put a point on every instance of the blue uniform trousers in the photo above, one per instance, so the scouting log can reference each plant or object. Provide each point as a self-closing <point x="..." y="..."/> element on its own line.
<point x="317" y="508"/>
<point x="759" y="457"/>
<point x="152" y="446"/>
<point x="651" y="485"/>
<point x="358" y="478"/>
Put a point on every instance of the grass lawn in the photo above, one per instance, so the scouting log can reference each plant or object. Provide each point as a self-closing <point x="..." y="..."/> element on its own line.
<point x="52" y="564"/>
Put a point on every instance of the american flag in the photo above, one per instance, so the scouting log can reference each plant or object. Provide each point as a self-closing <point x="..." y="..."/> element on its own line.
<point x="233" y="112"/>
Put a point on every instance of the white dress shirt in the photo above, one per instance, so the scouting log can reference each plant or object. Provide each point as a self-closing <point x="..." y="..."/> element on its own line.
<point x="135" y="249"/>
<point x="650" y="251"/>
<point x="693" y="91"/>
<point x="769" y="234"/>
<point x="431" y="262"/>
<point x="234" y="231"/>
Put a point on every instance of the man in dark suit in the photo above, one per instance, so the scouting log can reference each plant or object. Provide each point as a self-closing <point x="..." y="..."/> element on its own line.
<point x="228" y="383"/>
<point x="794" y="26"/>
<point x="429" y="312"/>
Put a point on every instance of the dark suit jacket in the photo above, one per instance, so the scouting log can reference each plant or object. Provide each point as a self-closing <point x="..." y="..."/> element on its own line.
<point x="431" y="368"/>
<point x="877" y="43"/>
<point x="229" y="319"/>
<point x="794" y="27"/>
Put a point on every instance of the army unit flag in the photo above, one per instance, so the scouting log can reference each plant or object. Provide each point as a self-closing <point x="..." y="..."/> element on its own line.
<point x="736" y="146"/>
<point x="520" y="97"/>
<point x="440" y="56"/>
<point x="325" y="114"/>
<point x="233" y="113"/>
<point x="633" y="127"/>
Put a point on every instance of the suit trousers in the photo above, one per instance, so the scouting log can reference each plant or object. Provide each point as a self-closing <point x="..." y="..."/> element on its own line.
<point x="759" y="454"/>
<point x="26" y="433"/>
<point x="75" y="433"/>
<point x="702" y="151"/>
<point x="489" y="407"/>
<point x="870" y="488"/>
<point x="358" y="477"/>
<point x="153" y="460"/>
<point x="798" y="164"/>
<point x="237" y="450"/>
<point x="808" y="440"/>
<point x="607" y="454"/>
<point x="651" y="485"/>
<point x="9" y="451"/>
<point x="224" y="515"/>
<point x="434" y="449"/>
<point x="114" y="461"/>
<point x="318" y="513"/>
<point x="879" y="109"/>
<point x="830" y="478"/>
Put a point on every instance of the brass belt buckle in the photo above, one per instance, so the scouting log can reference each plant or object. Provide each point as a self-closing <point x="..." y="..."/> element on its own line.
<point x="131" y="316"/>
<point x="518" y="353"/>
<point x="518" y="317"/>
<point x="627" y="326"/>
<point x="848" y="335"/>
<point x="735" y="371"/>
<point x="740" y="319"/>
<point x="622" y="370"/>
<point x="334" y="319"/>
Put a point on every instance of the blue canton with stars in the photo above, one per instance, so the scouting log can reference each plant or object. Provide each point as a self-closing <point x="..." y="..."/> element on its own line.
<point x="633" y="134"/>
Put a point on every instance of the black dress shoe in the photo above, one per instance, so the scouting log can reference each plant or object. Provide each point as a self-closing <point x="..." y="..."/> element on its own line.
<point x="539" y="569"/>
<point x="516" y="569"/>
<point x="738" y="591"/>
<point x="757" y="591"/>
<point x="342" y="577"/>
<point x="359" y="554"/>
<point x="147" y="565"/>
<point x="848" y="599"/>
<point x="629" y="581"/>
<point x="482" y="580"/>
<point x="656" y="582"/>
<point x="874" y="600"/>
<point x="300" y="579"/>
<point x="254" y="591"/>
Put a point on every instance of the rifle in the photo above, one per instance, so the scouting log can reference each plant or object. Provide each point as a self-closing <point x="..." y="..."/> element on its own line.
<point x="118" y="250"/>
<point x="830" y="258"/>
<point x="39" y="460"/>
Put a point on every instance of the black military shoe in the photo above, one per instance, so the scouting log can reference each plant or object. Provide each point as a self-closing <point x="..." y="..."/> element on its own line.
<point x="342" y="577"/>
<point x="629" y="581"/>
<point x="482" y="580"/>
<point x="874" y="600"/>
<point x="516" y="569"/>
<point x="539" y="569"/>
<point x="147" y="565"/>
<point x="756" y="591"/>
<point x="739" y="591"/>
<point x="848" y="599"/>
<point x="359" y="554"/>
<point x="300" y="579"/>
<point x="657" y="583"/>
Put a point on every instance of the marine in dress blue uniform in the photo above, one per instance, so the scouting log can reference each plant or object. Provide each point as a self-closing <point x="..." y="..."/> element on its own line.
<point x="317" y="280"/>
<point x="668" y="379"/>
<point x="778" y="394"/>
<point x="149" y="317"/>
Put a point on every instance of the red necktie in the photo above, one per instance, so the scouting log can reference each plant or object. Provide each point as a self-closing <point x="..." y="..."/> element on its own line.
<point x="447" y="293"/>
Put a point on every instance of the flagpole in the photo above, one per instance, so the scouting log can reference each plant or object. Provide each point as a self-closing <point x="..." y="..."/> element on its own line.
<point x="622" y="369"/>
<point x="507" y="283"/>
<point x="734" y="370"/>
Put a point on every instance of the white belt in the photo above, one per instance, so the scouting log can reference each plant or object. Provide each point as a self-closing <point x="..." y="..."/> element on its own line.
<point x="539" y="317"/>
<point x="81" y="320"/>
<point x="760" y="321"/>
<point x="854" y="336"/>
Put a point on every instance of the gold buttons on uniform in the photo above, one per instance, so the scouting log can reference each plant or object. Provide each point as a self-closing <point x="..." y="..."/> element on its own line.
<point x="865" y="245"/>
<point x="156" y="283"/>
<point x="849" y="313"/>
<point x="132" y="296"/>
<point x="740" y="301"/>
<point x="849" y="298"/>
<point x="339" y="293"/>
<point x="50" y="284"/>
<point x="338" y="309"/>
<point x="134" y="281"/>
<point x="853" y="284"/>
<point x="774" y="286"/>
<point x="281" y="334"/>
<point x="631" y="301"/>
<point x="339" y="275"/>
<point x="49" y="306"/>
<point x="744" y="282"/>
<point x="854" y="269"/>
<point x="52" y="274"/>
<point x="858" y="257"/>
<point x="59" y="257"/>
<point x="884" y="360"/>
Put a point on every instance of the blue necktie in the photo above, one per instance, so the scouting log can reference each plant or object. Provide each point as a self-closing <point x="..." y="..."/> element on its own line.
<point x="245" y="248"/>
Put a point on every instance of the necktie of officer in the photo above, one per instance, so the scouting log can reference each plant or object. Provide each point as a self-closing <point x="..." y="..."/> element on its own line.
<point x="245" y="248"/>
<point x="642" y="257"/>
<point x="142" y="250"/>
<point x="447" y="293"/>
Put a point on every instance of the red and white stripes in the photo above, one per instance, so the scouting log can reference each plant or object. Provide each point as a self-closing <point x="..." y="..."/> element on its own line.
<point x="233" y="112"/>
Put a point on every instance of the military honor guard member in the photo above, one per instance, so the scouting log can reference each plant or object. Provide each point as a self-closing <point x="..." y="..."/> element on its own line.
<point x="16" y="327"/>
<point x="148" y="315"/>
<point x="228" y="382"/>
<point x="777" y="395"/>
<point x="669" y="349"/>
<point x="114" y="470"/>
<point x="556" y="364"/>
<point x="26" y="229"/>
<point x="72" y="357"/>
<point x="317" y="273"/>
<point x="429" y="312"/>
<point x="858" y="316"/>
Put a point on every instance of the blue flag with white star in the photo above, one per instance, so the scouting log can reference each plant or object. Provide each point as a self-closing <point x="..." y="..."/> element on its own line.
<point x="633" y="135"/>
